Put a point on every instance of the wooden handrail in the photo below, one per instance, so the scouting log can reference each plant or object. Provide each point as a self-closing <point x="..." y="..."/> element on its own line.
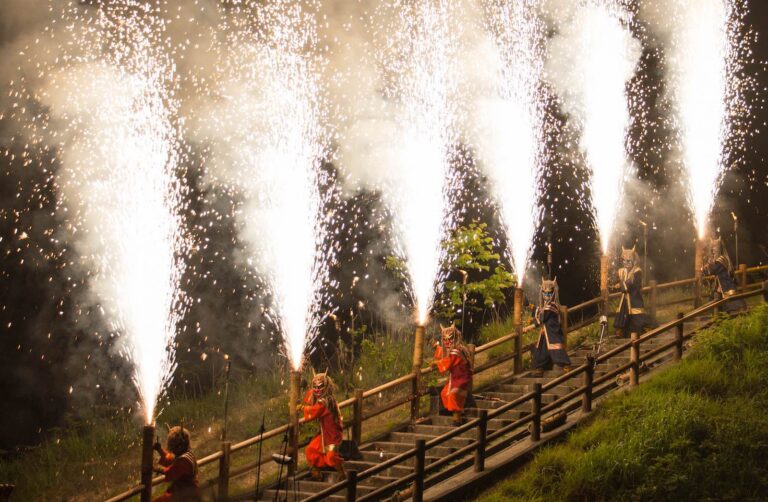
<point x="751" y="290"/>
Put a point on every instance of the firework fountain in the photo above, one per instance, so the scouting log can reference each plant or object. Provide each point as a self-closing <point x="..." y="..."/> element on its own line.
<point x="271" y="157"/>
<point x="509" y="134"/>
<point x="267" y="102"/>
<point x="118" y="187"/>
<point x="510" y="125"/>
<point x="703" y="62"/>
<point x="591" y="62"/>
<point x="422" y="65"/>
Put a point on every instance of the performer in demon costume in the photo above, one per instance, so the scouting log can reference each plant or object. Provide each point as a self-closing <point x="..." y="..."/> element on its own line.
<point x="453" y="356"/>
<point x="550" y="346"/>
<point x="719" y="264"/>
<point x="179" y="467"/>
<point x="630" y="315"/>
<point x="320" y="404"/>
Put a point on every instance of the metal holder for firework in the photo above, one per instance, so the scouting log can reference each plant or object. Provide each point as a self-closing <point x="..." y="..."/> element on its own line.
<point x="596" y="348"/>
<point x="284" y="461"/>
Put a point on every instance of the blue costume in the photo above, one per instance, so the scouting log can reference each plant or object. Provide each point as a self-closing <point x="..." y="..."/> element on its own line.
<point x="719" y="265"/>
<point x="630" y="315"/>
<point x="550" y="346"/>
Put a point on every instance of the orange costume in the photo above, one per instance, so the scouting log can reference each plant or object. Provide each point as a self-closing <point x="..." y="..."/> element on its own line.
<point x="455" y="392"/>
<point x="179" y="470"/>
<point x="454" y="357"/>
<point x="322" y="451"/>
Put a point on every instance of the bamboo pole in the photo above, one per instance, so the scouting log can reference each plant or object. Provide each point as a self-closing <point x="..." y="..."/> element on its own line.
<point x="517" y="316"/>
<point x="293" y="416"/>
<point x="418" y="362"/>
<point x="604" y="282"/>
<point x="147" y="441"/>
<point x="698" y="264"/>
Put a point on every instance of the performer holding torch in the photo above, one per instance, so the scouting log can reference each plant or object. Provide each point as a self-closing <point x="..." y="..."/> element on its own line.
<point x="550" y="346"/>
<point x="453" y="356"/>
<point x="320" y="404"/>
<point x="630" y="315"/>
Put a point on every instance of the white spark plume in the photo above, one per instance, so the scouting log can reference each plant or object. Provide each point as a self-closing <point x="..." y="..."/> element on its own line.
<point x="118" y="187"/>
<point x="423" y="66"/>
<point x="269" y="105"/>
<point x="508" y="124"/>
<point x="701" y="63"/>
<point x="591" y="60"/>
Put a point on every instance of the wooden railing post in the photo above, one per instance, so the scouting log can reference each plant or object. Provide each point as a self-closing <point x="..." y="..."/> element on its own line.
<point x="536" y="410"/>
<point x="357" y="417"/>
<point x="224" y="463"/>
<point x="148" y="440"/>
<point x="418" y="482"/>
<point x="586" y="398"/>
<point x="415" y="398"/>
<point x="679" y="338"/>
<point x="653" y="299"/>
<point x="743" y="275"/>
<point x="634" y="358"/>
<point x="351" y="485"/>
<point x="482" y="431"/>
<point x="564" y="325"/>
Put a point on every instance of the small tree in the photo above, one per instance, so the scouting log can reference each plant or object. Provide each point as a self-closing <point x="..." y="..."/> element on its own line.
<point x="476" y="279"/>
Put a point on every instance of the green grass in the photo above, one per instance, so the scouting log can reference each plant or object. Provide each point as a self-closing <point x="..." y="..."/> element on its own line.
<point x="697" y="431"/>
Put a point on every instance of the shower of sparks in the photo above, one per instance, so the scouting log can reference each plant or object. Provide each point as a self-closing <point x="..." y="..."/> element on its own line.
<point x="510" y="140"/>
<point x="269" y="102"/>
<point x="597" y="56"/>
<point x="422" y="63"/>
<point x="703" y="63"/>
<point x="113" y="112"/>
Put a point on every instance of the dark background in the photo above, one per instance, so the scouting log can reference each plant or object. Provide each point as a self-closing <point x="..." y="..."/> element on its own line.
<point x="55" y="357"/>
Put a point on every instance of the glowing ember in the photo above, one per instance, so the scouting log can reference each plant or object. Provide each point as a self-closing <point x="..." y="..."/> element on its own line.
<point x="702" y="65"/>
<point x="592" y="59"/>
<point x="118" y="186"/>
<point x="422" y="63"/>
<point x="273" y="152"/>
<point x="509" y="125"/>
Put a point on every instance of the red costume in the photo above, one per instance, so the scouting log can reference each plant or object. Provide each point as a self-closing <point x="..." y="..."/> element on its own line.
<point x="455" y="392"/>
<point x="181" y="472"/>
<point x="322" y="451"/>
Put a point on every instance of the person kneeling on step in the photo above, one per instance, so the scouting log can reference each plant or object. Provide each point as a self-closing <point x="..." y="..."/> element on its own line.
<point x="453" y="356"/>
<point x="550" y="346"/>
<point x="320" y="404"/>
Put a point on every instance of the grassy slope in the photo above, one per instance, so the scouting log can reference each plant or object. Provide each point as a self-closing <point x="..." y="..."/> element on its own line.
<point x="698" y="431"/>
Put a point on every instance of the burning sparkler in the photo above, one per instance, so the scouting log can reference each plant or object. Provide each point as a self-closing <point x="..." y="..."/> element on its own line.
<point x="118" y="186"/>
<point x="269" y="104"/>
<point x="591" y="61"/>
<point x="510" y="135"/>
<point x="422" y="62"/>
<point x="702" y="66"/>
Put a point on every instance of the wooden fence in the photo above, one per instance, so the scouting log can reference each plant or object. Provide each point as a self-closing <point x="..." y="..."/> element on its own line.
<point x="485" y="444"/>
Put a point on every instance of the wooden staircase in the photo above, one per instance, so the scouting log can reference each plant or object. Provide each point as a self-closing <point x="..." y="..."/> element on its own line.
<point x="434" y="425"/>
